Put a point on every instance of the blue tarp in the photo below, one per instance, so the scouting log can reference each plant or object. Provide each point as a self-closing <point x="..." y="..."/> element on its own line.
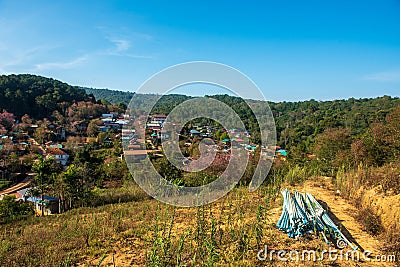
<point x="282" y="152"/>
<point x="302" y="213"/>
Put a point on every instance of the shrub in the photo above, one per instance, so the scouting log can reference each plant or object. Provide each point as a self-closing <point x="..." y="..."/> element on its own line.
<point x="392" y="244"/>
<point x="371" y="222"/>
<point x="11" y="209"/>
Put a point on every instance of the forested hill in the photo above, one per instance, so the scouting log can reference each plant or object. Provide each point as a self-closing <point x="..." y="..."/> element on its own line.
<point x="35" y="95"/>
<point x="297" y="123"/>
<point x="112" y="96"/>
<point x="165" y="105"/>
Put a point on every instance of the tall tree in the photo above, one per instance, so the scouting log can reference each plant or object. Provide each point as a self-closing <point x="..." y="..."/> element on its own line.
<point x="44" y="170"/>
<point x="7" y="120"/>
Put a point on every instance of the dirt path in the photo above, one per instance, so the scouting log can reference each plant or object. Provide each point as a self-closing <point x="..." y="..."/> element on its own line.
<point x="345" y="212"/>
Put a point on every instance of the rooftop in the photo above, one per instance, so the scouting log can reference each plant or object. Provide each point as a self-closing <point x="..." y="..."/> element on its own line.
<point x="135" y="152"/>
<point x="160" y="116"/>
<point x="56" y="151"/>
<point x="39" y="199"/>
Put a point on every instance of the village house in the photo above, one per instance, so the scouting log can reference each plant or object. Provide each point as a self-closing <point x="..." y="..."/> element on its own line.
<point x="155" y="126"/>
<point x="159" y="118"/>
<point x="22" y="194"/>
<point x="58" y="154"/>
<point x="121" y="122"/>
<point x="108" y="116"/>
<point x="194" y="132"/>
<point x="45" y="205"/>
<point x="163" y="134"/>
<point x="60" y="133"/>
<point x="156" y="123"/>
<point x="127" y="135"/>
<point x="107" y="141"/>
<point x="103" y="129"/>
<point x="110" y="123"/>
<point x="134" y="156"/>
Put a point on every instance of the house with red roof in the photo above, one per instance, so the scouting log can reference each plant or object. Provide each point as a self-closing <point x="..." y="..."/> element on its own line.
<point x="58" y="154"/>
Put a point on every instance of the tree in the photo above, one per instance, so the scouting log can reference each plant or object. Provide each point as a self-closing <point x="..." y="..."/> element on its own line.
<point x="40" y="134"/>
<point x="217" y="135"/>
<point x="73" y="188"/>
<point x="26" y="122"/>
<point x="105" y="102"/>
<point x="26" y="119"/>
<point x="167" y="170"/>
<point x="332" y="146"/>
<point x="11" y="209"/>
<point x="61" y="120"/>
<point x="3" y="130"/>
<point x="122" y="105"/>
<point x="223" y="136"/>
<point x="7" y="120"/>
<point x="86" y="110"/>
<point x="14" y="162"/>
<point x="380" y="143"/>
<point x="44" y="170"/>
<point x="93" y="128"/>
<point x="115" y="171"/>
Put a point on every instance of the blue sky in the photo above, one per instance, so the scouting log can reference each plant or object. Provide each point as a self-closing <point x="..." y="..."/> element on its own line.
<point x="293" y="50"/>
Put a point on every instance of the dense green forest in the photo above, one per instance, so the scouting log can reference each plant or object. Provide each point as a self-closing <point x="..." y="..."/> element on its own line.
<point x="37" y="96"/>
<point x="141" y="101"/>
<point x="112" y="96"/>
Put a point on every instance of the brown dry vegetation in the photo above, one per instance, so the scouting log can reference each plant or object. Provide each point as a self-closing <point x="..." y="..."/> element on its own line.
<point x="228" y="232"/>
<point x="376" y="194"/>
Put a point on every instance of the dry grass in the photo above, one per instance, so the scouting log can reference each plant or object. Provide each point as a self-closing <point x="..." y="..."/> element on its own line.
<point x="228" y="232"/>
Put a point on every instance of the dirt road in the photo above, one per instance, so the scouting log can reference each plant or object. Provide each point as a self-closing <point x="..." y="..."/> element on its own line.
<point x="25" y="183"/>
<point x="343" y="213"/>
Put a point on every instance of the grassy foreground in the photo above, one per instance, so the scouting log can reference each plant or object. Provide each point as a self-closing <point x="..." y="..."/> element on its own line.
<point x="228" y="232"/>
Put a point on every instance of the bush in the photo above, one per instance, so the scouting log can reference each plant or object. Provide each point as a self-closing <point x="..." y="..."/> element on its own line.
<point x="392" y="244"/>
<point x="11" y="209"/>
<point x="198" y="179"/>
<point x="371" y="222"/>
<point x="130" y="193"/>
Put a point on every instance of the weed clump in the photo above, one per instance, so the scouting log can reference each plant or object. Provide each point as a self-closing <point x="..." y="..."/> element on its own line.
<point x="371" y="221"/>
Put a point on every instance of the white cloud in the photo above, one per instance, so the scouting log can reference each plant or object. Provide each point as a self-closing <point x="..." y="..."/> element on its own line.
<point x="121" y="48"/>
<point x="121" y="44"/>
<point x="18" y="58"/>
<point x="385" y="76"/>
<point x="62" y="65"/>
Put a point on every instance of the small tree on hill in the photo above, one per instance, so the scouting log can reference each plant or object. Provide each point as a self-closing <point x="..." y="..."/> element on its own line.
<point x="44" y="170"/>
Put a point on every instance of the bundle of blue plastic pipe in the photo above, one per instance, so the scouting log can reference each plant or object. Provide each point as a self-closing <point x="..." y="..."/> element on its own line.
<point x="302" y="213"/>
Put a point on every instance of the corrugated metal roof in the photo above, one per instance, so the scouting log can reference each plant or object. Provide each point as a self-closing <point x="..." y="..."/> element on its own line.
<point x="39" y="199"/>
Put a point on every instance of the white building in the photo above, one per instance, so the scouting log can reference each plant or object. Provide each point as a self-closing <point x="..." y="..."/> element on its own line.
<point x="59" y="155"/>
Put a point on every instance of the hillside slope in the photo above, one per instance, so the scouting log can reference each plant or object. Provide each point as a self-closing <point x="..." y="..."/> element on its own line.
<point x="229" y="231"/>
<point x="35" y="95"/>
<point x="297" y="123"/>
